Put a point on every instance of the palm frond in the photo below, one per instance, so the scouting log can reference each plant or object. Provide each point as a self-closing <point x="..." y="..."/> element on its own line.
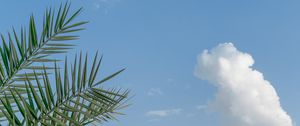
<point x="27" y="96"/>
<point x="30" y="48"/>
<point x="76" y="100"/>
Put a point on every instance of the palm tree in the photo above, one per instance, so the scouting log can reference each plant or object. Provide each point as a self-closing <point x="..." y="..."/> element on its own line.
<point x="73" y="96"/>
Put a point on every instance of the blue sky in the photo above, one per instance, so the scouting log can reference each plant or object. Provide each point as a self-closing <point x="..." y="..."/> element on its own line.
<point x="158" y="42"/>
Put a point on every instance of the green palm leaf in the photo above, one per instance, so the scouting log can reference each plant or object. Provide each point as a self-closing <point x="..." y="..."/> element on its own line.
<point x="73" y="102"/>
<point x="28" y="49"/>
<point x="26" y="93"/>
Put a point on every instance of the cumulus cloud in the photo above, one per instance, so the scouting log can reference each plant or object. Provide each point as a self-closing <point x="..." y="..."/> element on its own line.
<point x="244" y="97"/>
<point x="154" y="92"/>
<point x="164" y="113"/>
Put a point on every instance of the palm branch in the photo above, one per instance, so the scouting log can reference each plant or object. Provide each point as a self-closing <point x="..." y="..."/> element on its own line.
<point x="26" y="94"/>
<point x="26" y="50"/>
<point x="78" y="98"/>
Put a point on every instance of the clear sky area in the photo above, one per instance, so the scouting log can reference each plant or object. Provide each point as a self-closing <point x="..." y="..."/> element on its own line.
<point x="158" y="42"/>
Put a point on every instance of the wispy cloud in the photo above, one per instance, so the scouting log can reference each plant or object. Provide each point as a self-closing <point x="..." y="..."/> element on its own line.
<point x="170" y="80"/>
<point x="164" y="113"/>
<point x="244" y="97"/>
<point x="105" y="5"/>
<point x="154" y="92"/>
<point x="201" y="107"/>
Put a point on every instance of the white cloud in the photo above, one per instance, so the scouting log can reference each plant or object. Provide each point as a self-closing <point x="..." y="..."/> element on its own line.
<point x="105" y="5"/>
<point x="170" y="80"/>
<point x="244" y="97"/>
<point x="164" y="113"/>
<point x="154" y="92"/>
<point x="201" y="107"/>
